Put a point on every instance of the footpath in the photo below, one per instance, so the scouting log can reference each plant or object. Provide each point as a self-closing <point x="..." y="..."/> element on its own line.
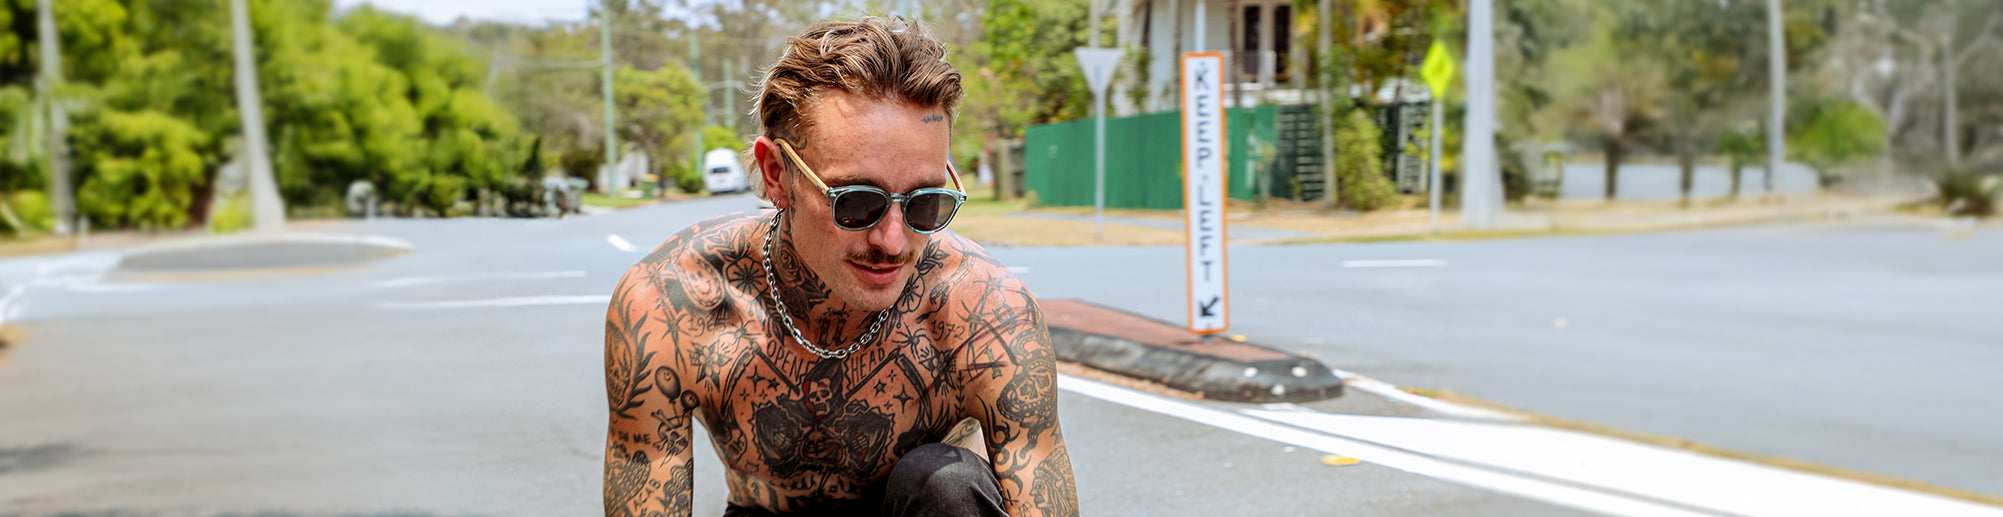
<point x="1282" y="222"/>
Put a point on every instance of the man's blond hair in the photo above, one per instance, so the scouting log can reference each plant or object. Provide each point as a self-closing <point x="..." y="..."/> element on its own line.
<point x="873" y="57"/>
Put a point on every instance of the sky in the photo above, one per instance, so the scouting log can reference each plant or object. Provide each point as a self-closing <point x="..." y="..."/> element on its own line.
<point x="446" y="11"/>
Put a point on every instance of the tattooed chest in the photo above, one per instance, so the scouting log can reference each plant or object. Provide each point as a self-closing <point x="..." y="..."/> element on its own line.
<point x="829" y="428"/>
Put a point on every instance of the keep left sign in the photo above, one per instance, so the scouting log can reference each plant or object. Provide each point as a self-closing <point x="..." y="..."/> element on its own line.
<point x="1203" y="148"/>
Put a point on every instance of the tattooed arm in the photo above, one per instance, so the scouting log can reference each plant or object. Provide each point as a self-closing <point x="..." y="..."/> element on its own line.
<point x="649" y="468"/>
<point x="1012" y="385"/>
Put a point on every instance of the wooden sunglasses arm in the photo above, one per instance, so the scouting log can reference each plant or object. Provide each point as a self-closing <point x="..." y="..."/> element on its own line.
<point x="803" y="165"/>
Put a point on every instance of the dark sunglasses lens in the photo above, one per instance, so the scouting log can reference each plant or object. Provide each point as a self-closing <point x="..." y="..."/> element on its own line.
<point x="859" y="209"/>
<point x="930" y="211"/>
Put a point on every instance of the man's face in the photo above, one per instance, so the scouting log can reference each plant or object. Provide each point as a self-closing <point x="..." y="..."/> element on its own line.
<point x="887" y="144"/>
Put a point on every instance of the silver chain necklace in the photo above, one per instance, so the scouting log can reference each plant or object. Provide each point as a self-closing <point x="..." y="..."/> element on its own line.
<point x="784" y="315"/>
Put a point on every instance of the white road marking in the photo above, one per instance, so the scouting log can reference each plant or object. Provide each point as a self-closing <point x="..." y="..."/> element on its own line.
<point x="619" y="242"/>
<point x="80" y="271"/>
<point x="1542" y="490"/>
<point x="110" y="288"/>
<point x="423" y="280"/>
<point x="518" y="301"/>
<point x="1561" y="467"/>
<point x="12" y="304"/>
<point x="1389" y="391"/>
<point x="1433" y="262"/>
<point x="1641" y="470"/>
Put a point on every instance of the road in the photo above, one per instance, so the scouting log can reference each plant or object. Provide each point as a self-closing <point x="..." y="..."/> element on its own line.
<point x="463" y="379"/>
<point x="1866" y="347"/>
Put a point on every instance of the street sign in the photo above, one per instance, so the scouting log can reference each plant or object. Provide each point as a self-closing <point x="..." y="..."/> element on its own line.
<point x="1439" y="68"/>
<point x="1099" y="64"/>
<point x="1203" y="159"/>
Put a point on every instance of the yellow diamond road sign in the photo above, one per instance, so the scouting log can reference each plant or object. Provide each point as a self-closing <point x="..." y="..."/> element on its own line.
<point x="1439" y="69"/>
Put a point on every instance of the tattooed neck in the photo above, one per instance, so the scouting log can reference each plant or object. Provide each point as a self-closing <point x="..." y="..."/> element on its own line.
<point x="822" y="317"/>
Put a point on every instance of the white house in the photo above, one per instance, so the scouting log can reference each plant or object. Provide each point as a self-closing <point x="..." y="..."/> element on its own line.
<point x="1268" y="60"/>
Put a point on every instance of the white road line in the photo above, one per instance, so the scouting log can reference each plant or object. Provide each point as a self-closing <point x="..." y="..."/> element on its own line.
<point x="1641" y="470"/>
<point x="1386" y="390"/>
<point x="619" y="242"/>
<point x="1562" y="467"/>
<point x="518" y="301"/>
<point x="423" y="280"/>
<point x="12" y="303"/>
<point x="1517" y="485"/>
<point x="109" y="288"/>
<point x="1432" y="262"/>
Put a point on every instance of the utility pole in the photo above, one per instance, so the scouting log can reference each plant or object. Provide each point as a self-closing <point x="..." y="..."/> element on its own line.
<point x="1777" y="95"/>
<point x="730" y="96"/>
<point x="611" y="141"/>
<point x="1098" y="139"/>
<point x="56" y="132"/>
<point x="695" y="72"/>
<point x="1326" y="42"/>
<point x="1201" y="21"/>
<point x="267" y="209"/>
<point x="1481" y="189"/>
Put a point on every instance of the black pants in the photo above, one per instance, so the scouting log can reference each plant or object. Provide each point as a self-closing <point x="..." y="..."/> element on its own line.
<point x="934" y="479"/>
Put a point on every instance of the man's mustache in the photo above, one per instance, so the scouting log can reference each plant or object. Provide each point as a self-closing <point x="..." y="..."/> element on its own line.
<point x="878" y="256"/>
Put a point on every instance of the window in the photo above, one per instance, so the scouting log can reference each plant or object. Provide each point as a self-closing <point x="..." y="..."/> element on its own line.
<point x="1249" y="59"/>
<point x="1283" y="41"/>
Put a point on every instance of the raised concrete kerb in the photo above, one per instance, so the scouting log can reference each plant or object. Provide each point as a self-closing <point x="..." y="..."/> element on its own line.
<point x="1151" y="350"/>
<point x="260" y="252"/>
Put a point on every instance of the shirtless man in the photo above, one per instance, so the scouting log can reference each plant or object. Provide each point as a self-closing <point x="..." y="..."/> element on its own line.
<point x="897" y="371"/>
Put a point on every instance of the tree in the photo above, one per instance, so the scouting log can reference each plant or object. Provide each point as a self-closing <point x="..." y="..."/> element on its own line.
<point x="1602" y="86"/>
<point x="1703" y="51"/>
<point x="141" y="169"/>
<point x="1741" y="147"/>
<point x="1021" y="73"/>
<point x="1373" y="58"/>
<point x="1836" y="132"/>
<point x="1359" y="164"/>
<point x="1898" y="58"/>
<point x="380" y="97"/>
<point x="1956" y="30"/>
<point x="657" y="109"/>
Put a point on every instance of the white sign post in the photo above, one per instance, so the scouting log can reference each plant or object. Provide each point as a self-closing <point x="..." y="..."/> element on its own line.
<point x="1204" y="171"/>
<point x="1099" y="64"/>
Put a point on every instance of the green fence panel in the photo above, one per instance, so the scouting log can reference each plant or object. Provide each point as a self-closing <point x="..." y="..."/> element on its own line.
<point x="1144" y="159"/>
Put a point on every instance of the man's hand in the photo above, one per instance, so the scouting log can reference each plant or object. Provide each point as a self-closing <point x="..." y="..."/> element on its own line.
<point x="649" y="468"/>
<point x="1013" y="377"/>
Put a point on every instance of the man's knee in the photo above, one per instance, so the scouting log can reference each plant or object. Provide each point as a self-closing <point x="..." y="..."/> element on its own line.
<point x="940" y="479"/>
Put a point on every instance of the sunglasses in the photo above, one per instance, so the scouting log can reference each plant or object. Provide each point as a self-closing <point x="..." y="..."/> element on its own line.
<point x="860" y="207"/>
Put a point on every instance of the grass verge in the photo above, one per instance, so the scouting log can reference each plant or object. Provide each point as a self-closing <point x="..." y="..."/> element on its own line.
<point x="614" y="201"/>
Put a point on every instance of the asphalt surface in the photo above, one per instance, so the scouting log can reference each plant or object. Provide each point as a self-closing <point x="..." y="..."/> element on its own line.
<point x="379" y="391"/>
<point x="465" y="379"/>
<point x="1871" y="347"/>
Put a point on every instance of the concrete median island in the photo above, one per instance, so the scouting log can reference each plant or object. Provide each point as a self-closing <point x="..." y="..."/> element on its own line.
<point x="1209" y="366"/>
<point x="254" y="254"/>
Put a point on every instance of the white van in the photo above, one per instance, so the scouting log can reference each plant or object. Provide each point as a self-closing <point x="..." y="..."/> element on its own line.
<point x="721" y="172"/>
